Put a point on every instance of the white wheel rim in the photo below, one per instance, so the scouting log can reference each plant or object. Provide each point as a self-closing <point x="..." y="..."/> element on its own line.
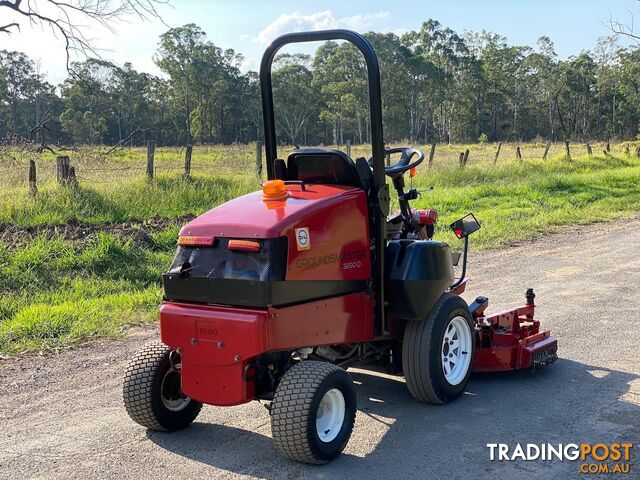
<point x="330" y="415"/>
<point x="455" y="354"/>
<point x="172" y="400"/>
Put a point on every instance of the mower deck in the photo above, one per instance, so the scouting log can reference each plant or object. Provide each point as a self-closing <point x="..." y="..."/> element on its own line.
<point x="511" y="339"/>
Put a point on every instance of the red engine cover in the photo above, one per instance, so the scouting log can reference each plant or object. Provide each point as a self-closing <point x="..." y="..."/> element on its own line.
<point x="326" y="226"/>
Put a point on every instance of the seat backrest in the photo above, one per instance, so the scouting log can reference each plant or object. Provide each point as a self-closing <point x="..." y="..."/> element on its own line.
<point x="317" y="165"/>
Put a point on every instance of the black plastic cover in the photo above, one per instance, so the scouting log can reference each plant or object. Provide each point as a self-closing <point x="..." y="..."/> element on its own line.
<point x="255" y="294"/>
<point x="418" y="273"/>
<point x="217" y="275"/>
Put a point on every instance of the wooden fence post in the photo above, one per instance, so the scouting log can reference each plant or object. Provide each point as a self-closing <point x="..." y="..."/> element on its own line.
<point x="258" y="158"/>
<point x="151" y="150"/>
<point x="432" y="153"/>
<point x="187" y="161"/>
<point x="59" y="168"/>
<point x="518" y="153"/>
<point x="62" y="169"/>
<point x="589" y="150"/>
<point x="349" y="148"/>
<point x="546" y="150"/>
<point x="461" y="159"/>
<point x="567" y="149"/>
<point x="495" y="159"/>
<point x="465" y="158"/>
<point x="71" y="176"/>
<point x="33" y="187"/>
<point x="608" y="148"/>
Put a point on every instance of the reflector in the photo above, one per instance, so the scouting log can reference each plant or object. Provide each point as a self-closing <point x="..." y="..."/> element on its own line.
<point x="195" y="241"/>
<point x="244" y="245"/>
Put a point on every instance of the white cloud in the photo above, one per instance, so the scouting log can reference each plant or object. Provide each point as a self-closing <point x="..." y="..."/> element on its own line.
<point x="250" y="63"/>
<point x="396" y="31"/>
<point x="297" y="22"/>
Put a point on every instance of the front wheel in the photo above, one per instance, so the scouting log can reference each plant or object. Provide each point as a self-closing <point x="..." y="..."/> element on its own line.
<point x="437" y="352"/>
<point x="313" y="412"/>
<point x="151" y="390"/>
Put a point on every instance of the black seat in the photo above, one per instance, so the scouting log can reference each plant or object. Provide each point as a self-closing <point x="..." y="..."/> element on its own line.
<point x="317" y="165"/>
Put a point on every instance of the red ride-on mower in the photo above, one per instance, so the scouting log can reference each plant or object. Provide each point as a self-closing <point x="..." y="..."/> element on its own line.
<point x="272" y="295"/>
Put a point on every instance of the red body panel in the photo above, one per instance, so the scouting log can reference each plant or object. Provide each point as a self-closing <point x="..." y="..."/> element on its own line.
<point x="344" y="319"/>
<point x="217" y="343"/>
<point x="335" y="216"/>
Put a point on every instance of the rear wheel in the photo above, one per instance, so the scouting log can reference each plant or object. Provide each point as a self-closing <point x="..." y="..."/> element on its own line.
<point x="313" y="412"/>
<point x="151" y="391"/>
<point x="437" y="352"/>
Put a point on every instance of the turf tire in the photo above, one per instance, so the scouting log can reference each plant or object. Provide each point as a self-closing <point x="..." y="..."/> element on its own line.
<point x="295" y="406"/>
<point x="142" y="391"/>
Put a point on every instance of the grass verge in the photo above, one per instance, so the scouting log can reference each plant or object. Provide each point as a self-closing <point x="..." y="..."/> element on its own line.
<point x="55" y="292"/>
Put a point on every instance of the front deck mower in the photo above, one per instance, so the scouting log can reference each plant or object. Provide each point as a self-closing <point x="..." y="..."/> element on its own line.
<point x="273" y="295"/>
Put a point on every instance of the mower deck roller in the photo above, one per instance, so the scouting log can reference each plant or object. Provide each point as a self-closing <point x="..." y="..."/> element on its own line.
<point x="273" y="295"/>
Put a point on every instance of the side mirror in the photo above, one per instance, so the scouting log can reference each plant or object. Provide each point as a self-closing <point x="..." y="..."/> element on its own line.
<point x="465" y="226"/>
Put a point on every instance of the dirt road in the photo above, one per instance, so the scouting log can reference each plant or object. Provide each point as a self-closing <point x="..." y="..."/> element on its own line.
<point x="62" y="417"/>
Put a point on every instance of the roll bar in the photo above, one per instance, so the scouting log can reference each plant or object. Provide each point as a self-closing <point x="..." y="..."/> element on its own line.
<point x="379" y="196"/>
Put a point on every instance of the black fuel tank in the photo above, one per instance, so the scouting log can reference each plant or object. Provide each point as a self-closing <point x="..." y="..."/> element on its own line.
<point x="418" y="273"/>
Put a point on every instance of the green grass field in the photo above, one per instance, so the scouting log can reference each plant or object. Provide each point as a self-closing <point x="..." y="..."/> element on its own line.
<point x="58" y="289"/>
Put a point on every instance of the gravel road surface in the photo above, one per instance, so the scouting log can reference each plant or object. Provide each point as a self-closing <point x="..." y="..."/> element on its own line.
<point x="62" y="416"/>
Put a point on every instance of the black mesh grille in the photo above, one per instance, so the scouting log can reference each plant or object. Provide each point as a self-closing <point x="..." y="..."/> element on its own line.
<point x="220" y="263"/>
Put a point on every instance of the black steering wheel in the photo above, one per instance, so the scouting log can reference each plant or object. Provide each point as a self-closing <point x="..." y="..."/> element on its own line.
<point x="405" y="163"/>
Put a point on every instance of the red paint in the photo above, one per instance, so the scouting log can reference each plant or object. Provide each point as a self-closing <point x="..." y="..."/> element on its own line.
<point x="212" y="371"/>
<point x="336" y="217"/>
<point x="217" y="343"/>
<point x="426" y="217"/>
<point x="460" y="288"/>
<point x="339" y="241"/>
<point x="507" y="340"/>
<point x="344" y="319"/>
<point x="250" y="216"/>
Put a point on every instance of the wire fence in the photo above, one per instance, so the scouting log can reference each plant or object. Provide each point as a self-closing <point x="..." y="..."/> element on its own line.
<point x="93" y="167"/>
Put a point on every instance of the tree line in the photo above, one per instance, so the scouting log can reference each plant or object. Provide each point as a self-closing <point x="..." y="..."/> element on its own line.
<point x="438" y="86"/>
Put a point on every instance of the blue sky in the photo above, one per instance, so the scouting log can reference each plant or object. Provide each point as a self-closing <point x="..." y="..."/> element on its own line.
<point x="248" y="25"/>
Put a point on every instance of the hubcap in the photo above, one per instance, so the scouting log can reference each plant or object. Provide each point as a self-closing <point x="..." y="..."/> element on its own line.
<point x="456" y="350"/>
<point x="172" y="397"/>
<point x="330" y="415"/>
